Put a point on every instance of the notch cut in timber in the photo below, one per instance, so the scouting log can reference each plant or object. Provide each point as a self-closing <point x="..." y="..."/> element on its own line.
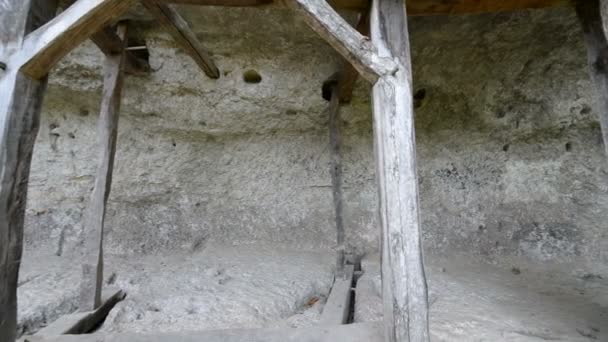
<point x="177" y="26"/>
<point x="404" y="287"/>
<point x="593" y="15"/>
<point x="107" y="127"/>
<point x="353" y="46"/>
<point x="20" y="102"/>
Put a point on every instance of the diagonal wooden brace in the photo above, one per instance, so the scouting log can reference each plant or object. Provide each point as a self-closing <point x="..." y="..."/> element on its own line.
<point x="354" y="47"/>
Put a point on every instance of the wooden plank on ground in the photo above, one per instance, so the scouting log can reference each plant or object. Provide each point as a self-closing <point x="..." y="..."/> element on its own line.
<point x="44" y="47"/>
<point x="337" y="307"/>
<point x="82" y="322"/>
<point x="404" y="285"/>
<point x="361" y="332"/>
<point x="353" y="46"/>
<point x="107" y="128"/>
<point x="183" y="35"/>
<point x="20" y="102"/>
<point x="593" y="15"/>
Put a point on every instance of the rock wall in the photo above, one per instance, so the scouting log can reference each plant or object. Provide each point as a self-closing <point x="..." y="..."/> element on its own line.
<point x="510" y="154"/>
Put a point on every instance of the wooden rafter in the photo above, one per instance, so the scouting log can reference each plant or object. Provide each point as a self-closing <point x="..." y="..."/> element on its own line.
<point x="43" y="48"/>
<point x="181" y="32"/>
<point x="353" y="46"/>
<point x="414" y="7"/>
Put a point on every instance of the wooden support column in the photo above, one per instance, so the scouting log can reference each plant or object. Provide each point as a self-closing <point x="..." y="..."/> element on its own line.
<point x="20" y="102"/>
<point x="403" y="278"/>
<point x="107" y="127"/>
<point x="593" y="15"/>
<point x="336" y="170"/>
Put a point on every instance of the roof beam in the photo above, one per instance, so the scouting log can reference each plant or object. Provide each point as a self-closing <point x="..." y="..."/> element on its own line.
<point x="181" y="32"/>
<point x="353" y="46"/>
<point x="43" y="48"/>
<point x="414" y="7"/>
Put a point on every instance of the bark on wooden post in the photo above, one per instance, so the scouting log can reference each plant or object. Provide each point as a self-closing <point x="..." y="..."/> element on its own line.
<point x="20" y="103"/>
<point x="403" y="279"/>
<point x="593" y="15"/>
<point x="107" y="127"/>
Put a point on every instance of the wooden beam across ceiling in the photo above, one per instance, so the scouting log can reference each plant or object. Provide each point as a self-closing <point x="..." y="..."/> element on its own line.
<point x="414" y="7"/>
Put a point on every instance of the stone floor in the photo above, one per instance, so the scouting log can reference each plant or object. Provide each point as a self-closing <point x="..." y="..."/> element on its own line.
<point x="258" y="286"/>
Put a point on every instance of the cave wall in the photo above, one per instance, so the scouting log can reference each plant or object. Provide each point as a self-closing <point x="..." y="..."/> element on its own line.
<point x="509" y="148"/>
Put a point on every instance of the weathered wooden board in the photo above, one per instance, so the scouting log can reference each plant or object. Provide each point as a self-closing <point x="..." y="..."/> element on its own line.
<point x="353" y="46"/>
<point x="403" y="278"/>
<point x="414" y="7"/>
<point x="349" y="75"/>
<point x="82" y="322"/>
<point x="593" y="15"/>
<point x="183" y="35"/>
<point x="340" y="333"/>
<point x="44" y="47"/>
<point x="107" y="128"/>
<point x="20" y="102"/>
<point x="337" y="307"/>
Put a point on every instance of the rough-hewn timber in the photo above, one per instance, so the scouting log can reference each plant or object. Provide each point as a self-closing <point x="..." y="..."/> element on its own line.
<point x="353" y="46"/>
<point x="336" y="170"/>
<point x="183" y="35"/>
<point x="404" y="285"/>
<point x="20" y="103"/>
<point x="337" y="307"/>
<point x="43" y="48"/>
<point x="107" y="128"/>
<point x="593" y="15"/>
<point x="349" y="75"/>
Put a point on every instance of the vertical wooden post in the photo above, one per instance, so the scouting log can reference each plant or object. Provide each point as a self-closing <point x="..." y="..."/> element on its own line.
<point x="593" y="15"/>
<point x="20" y="102"/>
<point x="336" y="170"/>
<point x="403" y="279"/>
<point x="107" y="127"/>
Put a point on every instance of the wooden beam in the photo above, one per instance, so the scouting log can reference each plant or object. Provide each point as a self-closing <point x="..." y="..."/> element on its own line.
<point x="20" y="102"/>
<point x="404" y="288"/>
<point x="349" y="75"/>
<point x="336" y="170"/>
<point x="107" y="128"/>
<point x="183" y="35"/>
<point x="82" y="322"/>
<point x="593" y="15"/>
<point x="109" y="43"/>
<point x="414" y="7"/>
<point x="337" y="307"/>
<point x="354" y="47"/>
<point x="43" y="48"/>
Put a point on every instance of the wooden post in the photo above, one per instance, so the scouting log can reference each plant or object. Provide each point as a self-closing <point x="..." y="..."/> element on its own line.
<point x="20" y="103"/>
<point x="593" y="15"/>
<point x="403" y="279"/>
<point x="336" y="170"/>
<point x="107" y="126"/>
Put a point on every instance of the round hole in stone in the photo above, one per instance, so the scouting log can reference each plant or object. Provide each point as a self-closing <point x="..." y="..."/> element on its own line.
<point x="252" y="76"/>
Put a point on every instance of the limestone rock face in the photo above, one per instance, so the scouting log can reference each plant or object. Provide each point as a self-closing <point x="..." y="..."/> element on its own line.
<point x="510" y="155"/>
